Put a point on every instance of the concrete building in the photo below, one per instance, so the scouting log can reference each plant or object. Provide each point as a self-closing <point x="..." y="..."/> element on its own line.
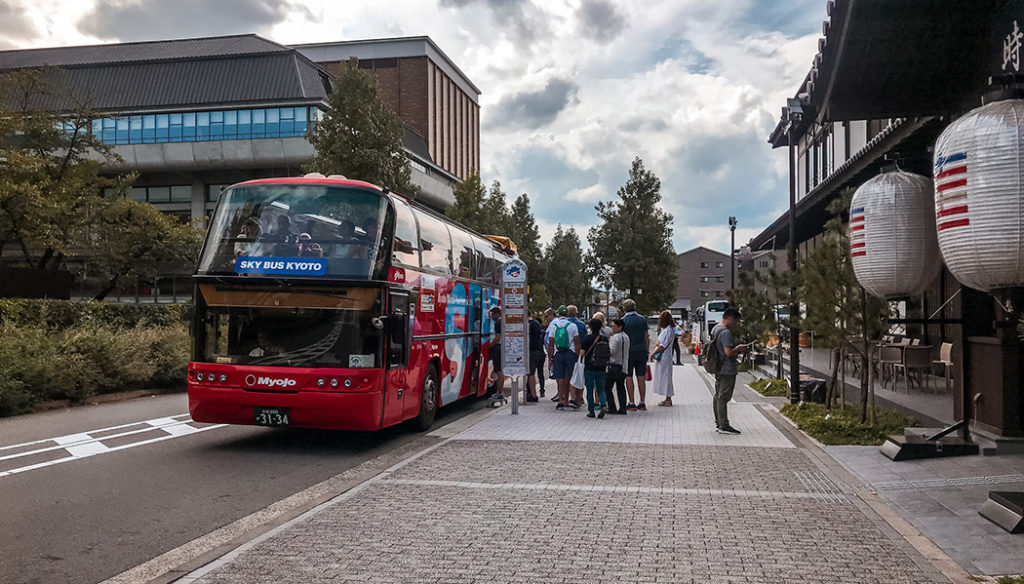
<point x="192" y="116"/>
<point x="874" y="98"/>
<point x="703" y="275"/>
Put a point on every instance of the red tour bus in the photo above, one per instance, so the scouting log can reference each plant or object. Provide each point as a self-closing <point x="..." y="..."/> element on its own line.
<point x="332" y="303"/>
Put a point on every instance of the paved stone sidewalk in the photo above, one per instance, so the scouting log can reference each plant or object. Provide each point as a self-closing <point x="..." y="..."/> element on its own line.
<point x="555" y="497"/>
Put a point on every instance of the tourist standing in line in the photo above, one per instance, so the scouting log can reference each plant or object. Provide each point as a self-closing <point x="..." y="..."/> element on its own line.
<point x="725" y="379"/>
<point x="536" y="361"/>
<point x="563" y="347"/>
<point x="573" y="314"/>
<point x="596" y="353"/>
<point x="639" y="339"/>
<point x="676" y="351"/>
<point x="617" y="363"/>
<point x="662" y="358"/>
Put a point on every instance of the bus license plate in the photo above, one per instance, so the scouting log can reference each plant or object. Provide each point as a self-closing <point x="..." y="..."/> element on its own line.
<point x="274" y="417"/>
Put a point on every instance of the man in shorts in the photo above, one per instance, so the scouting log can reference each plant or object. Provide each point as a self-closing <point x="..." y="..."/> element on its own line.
<point x="635" y="327"/>
<point x="563" y="347"/>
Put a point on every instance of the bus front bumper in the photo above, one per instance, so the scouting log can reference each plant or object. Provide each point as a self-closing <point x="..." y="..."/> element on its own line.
<point x="306" y="409"/>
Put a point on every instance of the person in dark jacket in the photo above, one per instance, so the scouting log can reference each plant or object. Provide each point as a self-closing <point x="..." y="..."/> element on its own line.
<point x="536" y="371"/>
<point x="594" y="373"/>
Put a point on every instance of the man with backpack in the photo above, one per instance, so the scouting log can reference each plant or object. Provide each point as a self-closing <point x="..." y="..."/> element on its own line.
<point x="563" y="346"/>
<point x="720" y="360"/>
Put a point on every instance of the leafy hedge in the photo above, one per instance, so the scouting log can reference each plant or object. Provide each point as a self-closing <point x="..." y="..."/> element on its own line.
<point x="770" y="387"/>
<point x="63" y="314"/>
<point x="841" y="425"/>
<point x="53" y="350"/>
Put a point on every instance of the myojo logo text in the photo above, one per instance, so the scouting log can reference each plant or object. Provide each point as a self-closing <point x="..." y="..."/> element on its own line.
<point x="270" y="381"/>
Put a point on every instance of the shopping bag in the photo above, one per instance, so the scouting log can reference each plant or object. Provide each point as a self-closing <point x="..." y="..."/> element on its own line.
<point x="649" y="376"/>
<point x="578" y="380"/>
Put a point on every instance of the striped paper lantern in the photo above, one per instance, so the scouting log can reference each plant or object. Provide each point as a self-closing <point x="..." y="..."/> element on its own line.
<point x="979" y="200"/>
<point x="892" y="236"/>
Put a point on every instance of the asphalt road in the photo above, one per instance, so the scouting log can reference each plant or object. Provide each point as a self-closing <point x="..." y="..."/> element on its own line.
<point x="85" y="518"/>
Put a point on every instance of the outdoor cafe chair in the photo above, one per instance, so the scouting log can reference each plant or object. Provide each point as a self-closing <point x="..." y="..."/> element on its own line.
<point x="915" y="358"/>
<point x="946" y="360"/>
<point x="889" y="356"/>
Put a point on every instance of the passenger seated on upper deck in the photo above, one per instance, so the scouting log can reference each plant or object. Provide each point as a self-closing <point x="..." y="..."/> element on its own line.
<point x="285" y="244"/>
<point x="246" y="243"/>
<point x="366" y="249"/>
<point x="309" y="249"/>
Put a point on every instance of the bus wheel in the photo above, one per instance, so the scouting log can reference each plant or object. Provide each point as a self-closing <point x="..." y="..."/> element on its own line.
<point x="428" y="400"/>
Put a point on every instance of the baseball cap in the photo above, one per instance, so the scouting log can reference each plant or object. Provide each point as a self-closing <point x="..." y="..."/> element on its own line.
<point x="563" y="310"/>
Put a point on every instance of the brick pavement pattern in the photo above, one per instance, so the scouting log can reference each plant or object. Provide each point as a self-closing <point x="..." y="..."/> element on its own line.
<point x="638" y="506"/>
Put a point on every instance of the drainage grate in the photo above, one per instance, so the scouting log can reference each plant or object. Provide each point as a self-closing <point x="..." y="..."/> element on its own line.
<point x="822" y="486"/>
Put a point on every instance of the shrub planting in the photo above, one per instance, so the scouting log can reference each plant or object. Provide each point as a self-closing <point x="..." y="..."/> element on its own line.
<point x="841" y="425"/>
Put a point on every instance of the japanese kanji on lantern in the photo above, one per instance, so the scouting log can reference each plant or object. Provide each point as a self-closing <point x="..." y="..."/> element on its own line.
<point x="892" y="235"/>
<point x="979" y="200"/>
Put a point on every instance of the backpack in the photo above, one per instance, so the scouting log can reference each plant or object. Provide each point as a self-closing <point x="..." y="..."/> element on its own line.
<point x="712" y="358"/>
<point x="562" y="337"/>
<point x="600" y="353"/>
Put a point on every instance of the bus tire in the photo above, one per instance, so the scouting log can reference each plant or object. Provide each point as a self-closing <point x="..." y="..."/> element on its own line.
<point x="428" y="400"/>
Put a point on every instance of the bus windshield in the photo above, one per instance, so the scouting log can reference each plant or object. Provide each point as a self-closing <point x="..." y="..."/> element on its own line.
<point x="717" y="306"/>
<point x="297" y="328"/>
<point x="297" y="230"/>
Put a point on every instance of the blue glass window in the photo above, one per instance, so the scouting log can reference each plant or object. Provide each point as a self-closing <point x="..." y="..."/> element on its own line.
<point x="287" y="121"/>
<point x="134" y="129"/>
<point x="216" y="125"/>
<point x="121" y="136"/>
<point x="162" y="134"/>
<point x="148" y="129"/>
<point x="137" y="194"/>
<point x="159" y="194"/>
<point x="203" y="126"/>
<point x="300" y="121"/>
<point x="259" y="123"/>
<point x="230" y="125"/>
<point x="188" y="129"/>
<point x="273" y="122"/>
<point x="181" y="194"/>
<point x="244" y="123"/>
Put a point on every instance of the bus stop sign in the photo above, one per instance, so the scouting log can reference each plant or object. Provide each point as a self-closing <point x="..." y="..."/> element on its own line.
<point x="514" y="318"/>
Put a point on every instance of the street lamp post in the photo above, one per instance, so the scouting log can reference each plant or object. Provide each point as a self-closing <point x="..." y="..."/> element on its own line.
<point x="794" y="115"/>
<point x="732" y="252"/>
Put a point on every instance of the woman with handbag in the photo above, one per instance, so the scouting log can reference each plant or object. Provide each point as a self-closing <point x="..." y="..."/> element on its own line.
<point x="662" y="362"/>
<point x="595" y="352"/>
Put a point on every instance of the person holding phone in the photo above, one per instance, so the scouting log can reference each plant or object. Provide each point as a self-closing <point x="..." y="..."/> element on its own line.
<point x="725" y="379"/>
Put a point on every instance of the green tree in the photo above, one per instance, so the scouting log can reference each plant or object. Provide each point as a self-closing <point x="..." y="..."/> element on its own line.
<point x="838" y="308"/>
<point x="632" y="247"/>
<point x="524" y="232"/>
<point x="496" y="214"/>
<point x="358" y="136"/>
<point x="758" y="312"/>
<point x="566" y="280"/>
<point x="468" y="208"/>
<point x="132" y="242"/>
<point x="50" y="164"/>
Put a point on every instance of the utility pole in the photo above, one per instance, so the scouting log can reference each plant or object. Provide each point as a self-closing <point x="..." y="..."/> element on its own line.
<point x="732" y="252"/>
<point x="794" y="113"/>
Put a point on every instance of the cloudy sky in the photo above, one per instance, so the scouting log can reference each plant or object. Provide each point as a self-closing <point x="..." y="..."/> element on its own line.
<point x="573" y="90"/>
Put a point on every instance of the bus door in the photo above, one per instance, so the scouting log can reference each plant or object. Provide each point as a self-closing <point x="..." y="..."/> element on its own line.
<point x="397" y="342"/>
<point x="477" y="383"/>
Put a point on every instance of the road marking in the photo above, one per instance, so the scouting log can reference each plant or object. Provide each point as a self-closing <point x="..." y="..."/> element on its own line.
<point x="86" y="444"/>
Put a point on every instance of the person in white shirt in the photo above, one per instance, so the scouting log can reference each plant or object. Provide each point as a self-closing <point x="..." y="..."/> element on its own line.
<point x="563" y="346"/>
<point x="619" y="345"/>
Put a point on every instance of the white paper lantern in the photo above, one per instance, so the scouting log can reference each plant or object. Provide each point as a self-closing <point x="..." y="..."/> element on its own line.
<point x="979" y="205"/>
<point x="892" y="235"/>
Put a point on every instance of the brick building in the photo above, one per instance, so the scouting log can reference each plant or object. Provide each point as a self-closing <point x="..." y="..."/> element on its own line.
<point x="703" y="275"/>
<point x="424" y="87"/>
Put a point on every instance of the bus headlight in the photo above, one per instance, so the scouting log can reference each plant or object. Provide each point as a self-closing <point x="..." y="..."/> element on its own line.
<point x="348" y="383"/>
<point x="199" y="376"/>
<point x="334" y="382"/>
<point x="223" y="377"/>
<point x="320" y="382"/>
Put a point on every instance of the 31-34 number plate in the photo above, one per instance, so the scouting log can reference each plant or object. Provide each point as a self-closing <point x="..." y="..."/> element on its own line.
<point x="274" y="417"/>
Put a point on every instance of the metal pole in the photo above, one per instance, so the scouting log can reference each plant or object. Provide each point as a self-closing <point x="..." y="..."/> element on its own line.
<point x="794" y="309"/>
<point x="515" y="395"/>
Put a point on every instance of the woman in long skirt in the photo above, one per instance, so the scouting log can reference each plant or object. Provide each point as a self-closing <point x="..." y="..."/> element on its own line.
<point x="662" y="361"/>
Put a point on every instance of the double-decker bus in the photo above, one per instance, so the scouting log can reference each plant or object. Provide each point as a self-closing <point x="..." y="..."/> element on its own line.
<point x="322" y="302"/>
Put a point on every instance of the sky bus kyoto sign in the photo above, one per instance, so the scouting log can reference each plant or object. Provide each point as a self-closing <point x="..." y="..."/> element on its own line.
<point x="281" y="266"/>
<point x="514" y="318"/>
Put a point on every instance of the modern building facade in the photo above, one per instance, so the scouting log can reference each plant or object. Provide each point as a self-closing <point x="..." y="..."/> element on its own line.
<point x="192" y="116"/>
<point x="888" y="78"/>
<point x="702" y="275"/>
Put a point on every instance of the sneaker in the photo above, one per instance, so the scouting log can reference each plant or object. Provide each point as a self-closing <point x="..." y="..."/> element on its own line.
<point x="728" y="430"/>
<point x="554" y="399"/>
<point x="542" y="392"/>
<point x="531" y="398"/>
<point x="590" y="414"/>
<point x="574" y="405"/>
<point x="641" y="406"/>
<point x="559" y="407"/>
<point x="602" y="413"/>
<point x="630" y="407"/>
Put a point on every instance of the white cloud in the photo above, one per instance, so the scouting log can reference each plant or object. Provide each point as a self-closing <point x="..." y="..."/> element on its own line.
<point x="692" y="87"/>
